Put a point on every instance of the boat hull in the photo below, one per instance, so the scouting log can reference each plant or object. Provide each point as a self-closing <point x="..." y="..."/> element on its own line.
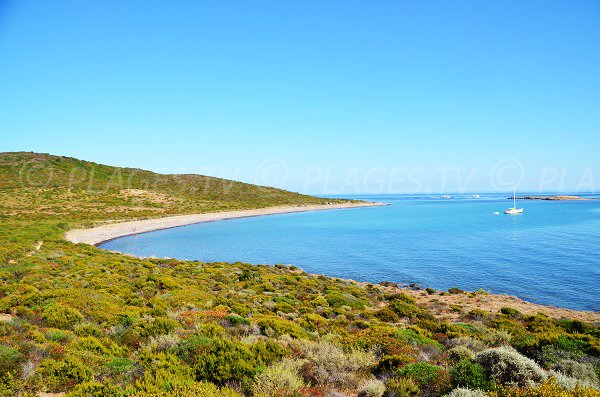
<point x="513" y="211"/>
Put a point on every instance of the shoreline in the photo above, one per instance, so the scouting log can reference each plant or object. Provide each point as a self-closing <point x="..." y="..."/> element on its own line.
<point x="107" y="232"/>
<point x="101" y="234"/>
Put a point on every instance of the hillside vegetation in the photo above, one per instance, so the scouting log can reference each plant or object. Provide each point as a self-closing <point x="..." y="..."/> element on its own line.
<point x="82" y="321"/>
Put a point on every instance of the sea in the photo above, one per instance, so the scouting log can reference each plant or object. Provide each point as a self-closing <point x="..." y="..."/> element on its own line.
<point x="550" y="254"/>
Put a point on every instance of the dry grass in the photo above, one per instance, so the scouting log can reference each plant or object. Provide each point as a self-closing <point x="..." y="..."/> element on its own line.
<point x="441" y="305"/>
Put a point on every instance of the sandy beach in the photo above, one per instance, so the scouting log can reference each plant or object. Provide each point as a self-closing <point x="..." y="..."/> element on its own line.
<point x="100" y="234"/>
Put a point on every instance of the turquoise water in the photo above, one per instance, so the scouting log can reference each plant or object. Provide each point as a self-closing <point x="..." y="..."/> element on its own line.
<point x="550" y="254"/>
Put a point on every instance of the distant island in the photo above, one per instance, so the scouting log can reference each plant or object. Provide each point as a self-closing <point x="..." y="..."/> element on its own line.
<point x="551" y="198"/>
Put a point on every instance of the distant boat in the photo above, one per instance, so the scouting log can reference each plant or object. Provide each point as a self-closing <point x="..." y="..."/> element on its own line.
<point x="514" y="210"/>
<point x="476" y="196"/>
<point x="446" y="196"/>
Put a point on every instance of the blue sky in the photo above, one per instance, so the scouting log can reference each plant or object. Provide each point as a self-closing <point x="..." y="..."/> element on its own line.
<point x="314" y="96"/>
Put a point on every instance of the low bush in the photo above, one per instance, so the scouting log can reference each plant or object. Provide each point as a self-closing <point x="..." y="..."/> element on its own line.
<point x="279" y="380"/>
<point x="371" y="388"/>
<point x="472" y="344"/>
<point x="570" y="383"/>
<point x="470" y="375"/>
<point x="201" y="389"/>
<point x="58" y="376"/>
<point x="462" y="392"/>
<point x="9" y="359"/>
<point x="549" y="388"/>
<point x="506" y="366"/>
<point x="224" y="360"/>
<point x="387" y="315"/>
<point x="497" y="338"/>
<point x="432" y="379"/>
<point x="510" y="312"/>
<point x="393" y="361"/>
<point x="119" y="369"/>
<point x="328" y="364"/>
<point x="573" y="369"/>
<point x="61" y="316"/>
<point x="459" y="353"/>
<point x="401" y="387"/>
<point x="95" y="389"/>
<point x="275" y="326"/>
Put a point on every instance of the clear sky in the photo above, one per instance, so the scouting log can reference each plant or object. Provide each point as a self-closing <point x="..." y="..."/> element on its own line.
<point x="314" y="96"/>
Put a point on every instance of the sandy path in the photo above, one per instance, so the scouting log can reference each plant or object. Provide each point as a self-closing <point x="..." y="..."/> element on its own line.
<point x="97" y="235"/>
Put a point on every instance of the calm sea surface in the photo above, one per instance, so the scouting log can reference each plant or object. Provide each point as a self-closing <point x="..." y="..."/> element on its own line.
<point x="550" y="254"/>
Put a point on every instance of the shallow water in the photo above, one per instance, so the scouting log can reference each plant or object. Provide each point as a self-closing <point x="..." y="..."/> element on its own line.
<point x="550" y="254"/>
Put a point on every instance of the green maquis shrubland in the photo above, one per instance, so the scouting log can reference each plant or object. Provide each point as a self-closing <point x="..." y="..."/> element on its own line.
<point x="80" y="321"/>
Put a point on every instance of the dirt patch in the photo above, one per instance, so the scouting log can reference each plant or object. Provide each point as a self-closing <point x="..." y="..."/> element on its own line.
<point x="454" y="306"/>
<point x="6" y="317"/>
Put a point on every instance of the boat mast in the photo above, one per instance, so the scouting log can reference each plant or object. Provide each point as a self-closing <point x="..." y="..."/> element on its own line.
<point x="514" y="196"/>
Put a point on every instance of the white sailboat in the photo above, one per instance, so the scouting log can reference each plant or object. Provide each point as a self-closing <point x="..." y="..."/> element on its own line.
<point x="514" y="210"/>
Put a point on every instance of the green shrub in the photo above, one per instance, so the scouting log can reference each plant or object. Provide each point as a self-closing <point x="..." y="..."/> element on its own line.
<point x="472" y="344"/>
<point x="497" y="337"/>
<point x="9" y="359"/>
<point x="88" y="329"/>
<point x="401" y="387"/>
<point x="405" y="309"/>
<point x="225" y="361"/>
<point x="570" y="383"/>
<point x="191" y="389"/>
<point x="279" y="380"/>
<point x="430" y="291"/>
<point x="236" y="319"/>
<point x="94" y="389"/>
<point x="313" y="322"/>
<point x="162" y="372"/>
<point x="387" y="315"/>
<point x="191" y="348"/>
<point x="462" y="392"/>
<point x="371" y="388"/>
<point x="459" y="353"/>
<point x="59" y="375"/>
<point x="57" y="335"/>
<point x="478" y="314"/>
<point x="507" y="367"/>
<point x="60" y="316"/>
<point x="119" y="369"/>
<point x="328" y="364"/>
<point x="275" y="326"/>
<point x="583" y="372"/>
<point x="432" y="379"/>
<point x="155" y="326"/>
<point x="549" y="355"/>
<point x="339" y="299"/>
<point x="391" y="362"/>
<point x="455" y="290"/>
<point x="470" y="375"/>
<point x="510" y="312"/>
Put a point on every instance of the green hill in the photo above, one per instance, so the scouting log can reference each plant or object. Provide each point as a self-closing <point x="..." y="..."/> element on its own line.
<point x="47" y="186"/>
<point x="80" y="321"/>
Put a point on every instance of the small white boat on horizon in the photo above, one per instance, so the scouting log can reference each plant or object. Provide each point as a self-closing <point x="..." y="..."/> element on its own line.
<point x="446" y="196"/>
<point x="475" y="196"/>
<point x="514" y="210"/>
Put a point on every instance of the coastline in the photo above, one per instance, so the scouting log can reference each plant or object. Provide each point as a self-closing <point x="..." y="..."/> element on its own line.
<point x="439" y="303"/>
<point x="100" y="234"/>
